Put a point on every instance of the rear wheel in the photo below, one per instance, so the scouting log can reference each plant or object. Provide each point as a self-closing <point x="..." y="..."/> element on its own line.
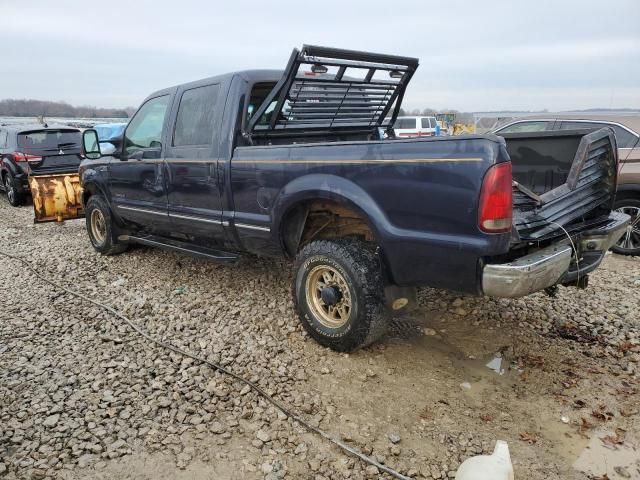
<point x="629" y="243"/>
<point x="339" y="293"/>
<point x="15" y="197"/>
<point x="100" y="226"/>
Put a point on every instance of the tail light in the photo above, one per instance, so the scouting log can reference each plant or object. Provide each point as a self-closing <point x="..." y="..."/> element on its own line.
<point x="495" y="212"/>
<point x="25" y="157"/>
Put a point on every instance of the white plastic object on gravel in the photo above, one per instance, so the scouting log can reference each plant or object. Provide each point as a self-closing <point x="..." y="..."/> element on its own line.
<point x="496" y="466"/>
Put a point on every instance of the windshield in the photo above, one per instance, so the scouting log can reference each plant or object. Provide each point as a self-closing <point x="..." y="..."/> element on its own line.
<point x="50" y="140"/>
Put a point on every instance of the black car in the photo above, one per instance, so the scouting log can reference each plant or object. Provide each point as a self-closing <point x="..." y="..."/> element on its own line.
<point x="35" y="149"/>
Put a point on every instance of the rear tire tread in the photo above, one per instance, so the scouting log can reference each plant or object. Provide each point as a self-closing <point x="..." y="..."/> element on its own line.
<point x="362" y="267"/>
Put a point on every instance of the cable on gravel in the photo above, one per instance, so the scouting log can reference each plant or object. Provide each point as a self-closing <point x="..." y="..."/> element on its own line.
<point x="140" y="331"/>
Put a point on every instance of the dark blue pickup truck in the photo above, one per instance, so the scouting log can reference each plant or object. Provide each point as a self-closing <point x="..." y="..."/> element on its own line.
<point x="303" y="163"/>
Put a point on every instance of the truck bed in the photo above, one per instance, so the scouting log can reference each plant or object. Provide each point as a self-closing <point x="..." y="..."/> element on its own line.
<point x="561" y="179"/>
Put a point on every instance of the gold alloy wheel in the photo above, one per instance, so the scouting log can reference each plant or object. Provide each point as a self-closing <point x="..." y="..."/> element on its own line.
<point x="98" y="226"/>
<point x="334" y="310"/>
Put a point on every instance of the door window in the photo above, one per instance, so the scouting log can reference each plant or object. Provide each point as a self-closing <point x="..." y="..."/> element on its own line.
<point x="425" y="123"/>
<point x="533" y="126"/>
<point x="624" y="137"/>
<point x="145" y="128"/>
<point x="194" y="123"/>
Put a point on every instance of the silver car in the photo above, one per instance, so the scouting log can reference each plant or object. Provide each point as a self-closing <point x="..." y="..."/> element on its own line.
<point x="627" y="132"/>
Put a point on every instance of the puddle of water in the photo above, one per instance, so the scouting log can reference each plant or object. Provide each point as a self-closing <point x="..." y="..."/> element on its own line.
<point x="487" y="376"/>
<point x="618" y="464"/>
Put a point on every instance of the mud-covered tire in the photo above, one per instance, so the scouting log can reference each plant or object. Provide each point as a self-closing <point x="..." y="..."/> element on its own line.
<point x="14" y="195"/>
<point x="360" y="272"/>
<point x="629" y="244"/>
<point x="101" y="228"/>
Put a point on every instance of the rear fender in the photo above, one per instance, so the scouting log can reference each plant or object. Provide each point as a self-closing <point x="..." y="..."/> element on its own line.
<point x="333" y="188"/>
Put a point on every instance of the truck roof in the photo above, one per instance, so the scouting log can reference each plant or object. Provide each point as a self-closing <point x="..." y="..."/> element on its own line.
<point x="251" y="76"/>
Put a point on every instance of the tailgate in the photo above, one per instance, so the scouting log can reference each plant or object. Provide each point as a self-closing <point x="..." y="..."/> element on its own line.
<point x="562" y="180"/>
<point x="56" y="197"/>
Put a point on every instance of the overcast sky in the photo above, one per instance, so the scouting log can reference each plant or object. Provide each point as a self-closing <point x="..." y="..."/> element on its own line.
<point x="474" y="55"/>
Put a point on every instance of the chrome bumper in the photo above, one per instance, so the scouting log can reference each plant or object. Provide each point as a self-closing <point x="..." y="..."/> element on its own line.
<point x="548" y="266"/>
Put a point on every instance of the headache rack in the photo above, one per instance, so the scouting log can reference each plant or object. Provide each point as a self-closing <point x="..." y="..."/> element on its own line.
<point x="327" y="90"/>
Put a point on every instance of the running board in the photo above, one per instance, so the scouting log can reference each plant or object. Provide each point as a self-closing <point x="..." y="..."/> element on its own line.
<point x="182" y="247"/>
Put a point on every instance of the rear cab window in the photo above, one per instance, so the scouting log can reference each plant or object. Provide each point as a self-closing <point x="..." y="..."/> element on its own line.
<point x="259" y="93"/>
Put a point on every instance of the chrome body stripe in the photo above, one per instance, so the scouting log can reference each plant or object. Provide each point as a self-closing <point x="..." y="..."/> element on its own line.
<point x="143" y="210"/>
<point x="197" y="219"/>
<point x="253" y="227"/>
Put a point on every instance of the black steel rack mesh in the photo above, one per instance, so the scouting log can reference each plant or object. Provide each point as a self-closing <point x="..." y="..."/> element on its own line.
<point x="333" y="89"/>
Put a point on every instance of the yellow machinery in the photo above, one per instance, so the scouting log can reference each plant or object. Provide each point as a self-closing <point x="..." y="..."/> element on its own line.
<point x="462" y="128"/>
<point x="451" y="127"/>
<point x="56" y="197"/>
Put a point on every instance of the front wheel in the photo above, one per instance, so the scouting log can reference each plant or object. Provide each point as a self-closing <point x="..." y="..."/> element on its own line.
<point x="339" y="293"/>
<point x="15" y="197"/>
<point x="100" y="226"/>
<point x="629" y="243"/>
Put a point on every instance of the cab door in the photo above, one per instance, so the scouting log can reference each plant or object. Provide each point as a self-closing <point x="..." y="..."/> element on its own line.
<point x="137" y="180"/>
<point x="192" y="156"/>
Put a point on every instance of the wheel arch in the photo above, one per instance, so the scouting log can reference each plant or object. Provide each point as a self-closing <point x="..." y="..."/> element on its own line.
<point x="89" y="189"/>
<point x="293" y="206"/>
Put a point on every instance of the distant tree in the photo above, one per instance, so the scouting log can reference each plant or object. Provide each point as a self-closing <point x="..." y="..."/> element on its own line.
<point x="35" y="108"/>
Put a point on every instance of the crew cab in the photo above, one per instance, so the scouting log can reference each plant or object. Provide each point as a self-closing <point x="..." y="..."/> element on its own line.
<point x="304" y="164"/>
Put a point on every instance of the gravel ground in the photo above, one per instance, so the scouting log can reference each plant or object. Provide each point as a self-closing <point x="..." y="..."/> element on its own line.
<point x="81" y="396"/>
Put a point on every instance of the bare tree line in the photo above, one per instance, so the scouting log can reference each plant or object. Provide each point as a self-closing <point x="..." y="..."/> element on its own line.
<point x="35" y="108"/>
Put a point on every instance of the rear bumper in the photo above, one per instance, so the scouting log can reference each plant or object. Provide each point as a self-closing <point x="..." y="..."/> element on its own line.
<point x="551" y="265"/>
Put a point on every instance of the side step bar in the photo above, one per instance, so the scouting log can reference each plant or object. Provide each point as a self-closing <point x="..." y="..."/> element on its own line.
<point x="181" y="247"/>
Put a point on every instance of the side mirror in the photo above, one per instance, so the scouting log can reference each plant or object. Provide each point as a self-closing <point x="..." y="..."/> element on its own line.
<point x="107" y="148"/>
<point x="91" y="144"/>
